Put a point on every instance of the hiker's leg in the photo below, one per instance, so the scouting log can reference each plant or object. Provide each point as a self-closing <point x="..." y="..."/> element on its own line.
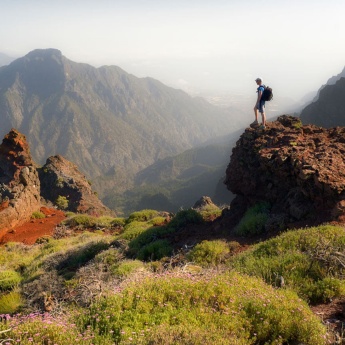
<point x="262" y="111"/>
<point x="256" y="112"/>
<point x="263" y="115"/>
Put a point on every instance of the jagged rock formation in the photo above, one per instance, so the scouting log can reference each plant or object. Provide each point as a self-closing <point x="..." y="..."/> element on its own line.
<point x="19" y="182"/>
<point x="60" y="177"/>
<point x="21" y="188"/>
<point x="299" y="170"/>
<point x="329" y="108"/>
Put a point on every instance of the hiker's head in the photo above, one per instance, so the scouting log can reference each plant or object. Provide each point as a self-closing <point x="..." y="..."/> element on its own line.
<point x="258" y="81"/>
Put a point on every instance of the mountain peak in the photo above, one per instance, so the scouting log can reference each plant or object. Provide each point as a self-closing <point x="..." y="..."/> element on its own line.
<point x="44" y="53"/>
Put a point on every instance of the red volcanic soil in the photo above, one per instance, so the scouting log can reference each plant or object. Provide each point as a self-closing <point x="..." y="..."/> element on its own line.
<point x="30" y="231"/>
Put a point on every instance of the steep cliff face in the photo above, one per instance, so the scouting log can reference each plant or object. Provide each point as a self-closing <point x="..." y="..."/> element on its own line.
<point x="19" y="182"/>
<point x="61" y="178"/>
<point x="298" y="170"/>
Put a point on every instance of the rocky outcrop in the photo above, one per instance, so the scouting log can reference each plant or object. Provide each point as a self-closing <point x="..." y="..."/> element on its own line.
<point x="203" y="203"/>
<point x="19" y="182"/>
<point x="298" y="170"/>
<point x="61" y="178"/>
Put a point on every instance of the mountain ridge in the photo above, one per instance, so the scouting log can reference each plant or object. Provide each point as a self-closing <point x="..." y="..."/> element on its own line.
<point x="103" y="119"/>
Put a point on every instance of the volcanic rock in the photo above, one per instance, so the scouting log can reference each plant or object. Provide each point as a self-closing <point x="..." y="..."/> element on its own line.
<point x="19" y="182"/>
<point x="60" y="177"/>
<point x="299" y="170"/>
<point x="204" y="202"/>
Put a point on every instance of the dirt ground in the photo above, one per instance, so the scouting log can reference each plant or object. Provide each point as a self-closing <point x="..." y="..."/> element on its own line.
<point x="30" y="231"/>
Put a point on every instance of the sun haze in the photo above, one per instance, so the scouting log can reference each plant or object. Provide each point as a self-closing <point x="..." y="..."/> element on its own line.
<point x="204" y="45"/>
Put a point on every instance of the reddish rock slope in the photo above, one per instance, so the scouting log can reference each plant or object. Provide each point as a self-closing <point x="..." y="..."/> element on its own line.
<point x="19" y="182"/>
<point x="60" y="177"/>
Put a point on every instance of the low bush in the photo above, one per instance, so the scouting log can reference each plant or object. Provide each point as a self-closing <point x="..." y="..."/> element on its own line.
<point x="309" y="260"/>
<point x="38" y="215"/>
<point x="210" y="212"/>
<point x="82" y="220"/>
<point x="140" y="245"/>
<point x="185" y="217"/>
<point x="10" y="303"/>
<point x="9" y="279"/>
<point x="209" y="253"/>
<point x="155" y="250"/>
<point x="133" y="229"/>
<point x="142" y="216"/>
<point x="61" y="202"/>
<point x="254" y="220"/>
<point x="127" y="267"/>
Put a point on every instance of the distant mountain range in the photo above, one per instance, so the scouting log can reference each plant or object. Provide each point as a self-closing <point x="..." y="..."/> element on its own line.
<point x="328" y="110"/>
<point x="111" y="124"/>
<point x="5" y="59"/>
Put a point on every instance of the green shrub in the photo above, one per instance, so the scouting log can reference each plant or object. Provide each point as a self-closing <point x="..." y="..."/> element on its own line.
<point x="133" y="229"/>
<point x="142" y="216"/>
<point x="61" y="202"/>
<point x="185" y="217"/>
<point x="10" y="303"/>
<point x="83" y="220"/>
<point x="127" y="267"/>
<point x="227" y="309"/>
<point x="118" y="222"/>
<point x="155" y="250"/>
<point x="307" y="260"/>
<point x="254" y="220"/>
<point x="110" y="257"/>
<point x="209" y="253"/>
<point x="157" y="221"/>
<point x="210" y="212"/>
<point x="9" y="279"/>
<point x="38" y="215"/>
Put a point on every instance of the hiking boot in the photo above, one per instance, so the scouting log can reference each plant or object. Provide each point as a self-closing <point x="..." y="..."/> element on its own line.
<point x="254" y="124"/>
<point x="262" y="127"/>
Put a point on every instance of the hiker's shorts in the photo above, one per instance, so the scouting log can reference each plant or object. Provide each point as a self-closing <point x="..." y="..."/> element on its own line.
<point x="261" y="107"/>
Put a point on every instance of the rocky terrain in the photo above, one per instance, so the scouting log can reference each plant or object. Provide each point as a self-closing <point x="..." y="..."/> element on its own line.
<point x="19" y="182"/>
<point x="21" y="189"/>
<point x="299" y="170"/>
<point x="67" y="181"/>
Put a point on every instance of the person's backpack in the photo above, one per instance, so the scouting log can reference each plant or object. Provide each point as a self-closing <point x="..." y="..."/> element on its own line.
<point x="267" y="94"/>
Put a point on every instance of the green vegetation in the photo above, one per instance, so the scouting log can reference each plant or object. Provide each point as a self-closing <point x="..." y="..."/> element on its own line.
<point x="37" y="215"/>
<point x="254" y="220"/>
<point x="311" y="262"/>
<point x="84" y="221"/>
<point x="61" y="202"/>
<point x="209" y="253"/>
<point x="9" y="279"/>
<point x="150" y="243"/>
<point x="127" y="267"/>
<point x="10" y="303"/>
<point x="137" y="287"/>
<point x="229" y="308"/>
<point x="142" y="216"/>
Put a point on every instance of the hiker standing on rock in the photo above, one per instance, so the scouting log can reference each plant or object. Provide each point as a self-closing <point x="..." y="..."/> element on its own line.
<point x="259" y="106"/>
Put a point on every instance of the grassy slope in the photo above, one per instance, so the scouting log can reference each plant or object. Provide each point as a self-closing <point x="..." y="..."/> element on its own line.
<point x="150" y="302"/>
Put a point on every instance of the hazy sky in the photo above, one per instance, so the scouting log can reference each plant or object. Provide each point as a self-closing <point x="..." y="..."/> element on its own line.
<point x="212" y="45"/>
